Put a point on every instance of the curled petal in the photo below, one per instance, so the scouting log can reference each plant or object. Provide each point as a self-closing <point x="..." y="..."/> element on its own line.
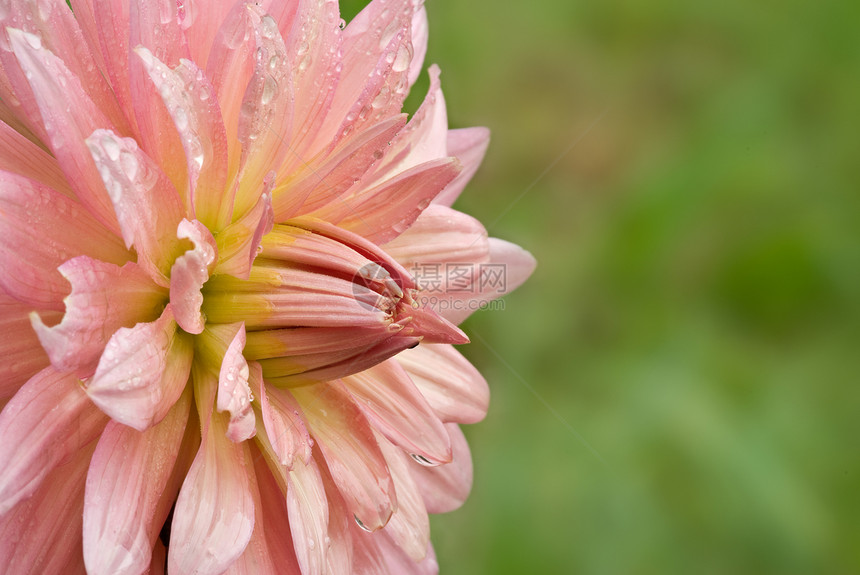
<point x="469" y="145"/>
<point x="104" y="298"/>
<point x="147" y="206"/>
<point x="188" y="274"/>
<point x="48" y="420"/>
<point x="125" y="484"/>
<point x="142" y="372"/>
<point x="234" y="394"/>
<point x="240" y="242"/>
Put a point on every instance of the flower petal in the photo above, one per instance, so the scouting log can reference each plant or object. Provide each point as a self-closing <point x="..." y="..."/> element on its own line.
<point x="147" y="206"/>
<point x="351" y="452"/>
<point x="446" y="487"/>
<point x="240" y="242"/>
<point x="420" y="36"/>
<point x="214" y="515"/>
<point x="190" y="100"/>
<point x="469" y="145"/>
<point x="282" y="420"/>
<point x="22" y="355"/>
<point x="397" y="409"/>
<point x="307" y="506"/>
<point x="234" y="394"/>
<point x="142" y="372"/>
<point x="188" y="274"/>
<point x="48" y="420"/>
<point x="452" y="386"/>
<point x="409" y="527"/>
<point x="68" y="115"/>
<point x="384" y="211"/>
<point x="43" y="534"/>
<point x="65" y="231"/>
<point x="21" y="156"/>
<point x="104" y="298"/>
<point x="125" y="483"/>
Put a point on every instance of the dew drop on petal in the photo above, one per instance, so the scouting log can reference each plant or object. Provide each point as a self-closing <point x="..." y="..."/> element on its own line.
<point x="362" y="525"/>
<point x="421" y="460"/>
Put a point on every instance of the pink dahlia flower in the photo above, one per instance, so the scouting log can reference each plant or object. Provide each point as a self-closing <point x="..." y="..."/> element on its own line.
<point x="217" y="356"/>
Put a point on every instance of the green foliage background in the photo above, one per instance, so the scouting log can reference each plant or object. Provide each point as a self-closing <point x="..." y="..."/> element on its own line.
<point x="694" y="315"/>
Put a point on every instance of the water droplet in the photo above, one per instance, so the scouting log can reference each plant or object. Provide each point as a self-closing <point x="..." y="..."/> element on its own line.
<point x="341" y="24"/>
<point x="270" y="90"/>
<point x="34" y="41"/>
<point x="423" y="460"/>
<point x="362" y="525"/>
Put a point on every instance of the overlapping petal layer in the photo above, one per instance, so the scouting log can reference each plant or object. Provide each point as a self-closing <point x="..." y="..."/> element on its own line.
<point x="220" y="353"/>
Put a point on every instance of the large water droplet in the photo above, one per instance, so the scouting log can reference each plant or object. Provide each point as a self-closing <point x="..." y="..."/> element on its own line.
<point x="361" y="525"/>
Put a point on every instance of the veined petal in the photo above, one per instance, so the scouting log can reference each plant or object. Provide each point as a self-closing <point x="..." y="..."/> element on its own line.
<point x="21" y="156"/>
<point x="452" y="386"/>
<point x="397" y="409"/>
<point x="446" y="487"/>
<point x="66" y="230"/>
<point x="440" y="235"/>
<point x="142" y="372"/>
<point x="190" y="100"/>
<point x="214" y="515"/>
<point x="104" y="298"/>
<point x="234" y="393"/>
<point x="383" y="212"/>
<point x="155" y="26"/>
<point x="43" y="534"/>
<point x="22" y="355"/>
<point x="48" y="420"/>
<point x="409" y="527"/>
<point x="282" y="420"/>
<point x="307" y="506"/>
<point x="188" y="274"/>
<point x="515" y="265"/>
<point x="469" y="145"/>
<point x="126" y="481"/>
<point x="68" y="116"/>
<point x="419" y="43"/>
<point x="353" y="457"/>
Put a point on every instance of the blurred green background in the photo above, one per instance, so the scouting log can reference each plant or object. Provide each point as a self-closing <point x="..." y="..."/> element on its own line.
<point x="694" y="315"/>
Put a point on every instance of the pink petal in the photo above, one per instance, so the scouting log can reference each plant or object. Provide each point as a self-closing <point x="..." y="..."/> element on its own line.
<point x="239" y="243"/>
<point x="214" y="515"/>
<point x="22" y="355"/>
<point x="515" y="265"/>
<point x="104" y="298"/>
<point x="455" y="390"/>
<point x="312" y="185"/>
<point x="68" y="115"/>
<point x="234" y="394"/>
<point x="313" y="47"/>
<point x="142" y="372"/>
<point x="419" y="43"/>
<point x="383" y="212"/>
<point x="379" y="554"/>
<point x="282" y="419"/>
<point x="125" y="483"/>
<point x="159" y="559"/>
<point x="469" y="145"/>
<point x="266" y="113"/>
<point x="188" y="274"/>
<point x="201" y="23"/>
<point x="409" y="527"/>
<point x="190" y="100"/>
<point x="65" y="231"/>
<point x="147" y="206"/>
<point x="111" y="22"/>
<point x="425" y="136"/>
<point x="376" y="55"/>
<point x="307" y="506"/>
<point x="48" y="420"/>
<point x="154" y="26"/>
<point x="397" y="409"/>
<point x="21" y="156"/>
<point x="440" y="235"/>
<point x="43" y="534"/>
<point x="446" y="487"/>
<point x="353" y="457"/>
